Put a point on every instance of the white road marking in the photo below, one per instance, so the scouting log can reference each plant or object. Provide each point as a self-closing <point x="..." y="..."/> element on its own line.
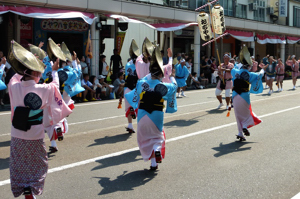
<point x="84" y="162"/>
<point x="296" y="196"/>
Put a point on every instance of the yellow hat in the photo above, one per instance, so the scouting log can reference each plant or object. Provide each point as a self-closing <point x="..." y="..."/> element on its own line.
<point x="134" y="49"/>
<point x="22" y="59"/>
<point x="37" y="51"/>
<point x="66" y="51"/>
<point x="54" y="49"/>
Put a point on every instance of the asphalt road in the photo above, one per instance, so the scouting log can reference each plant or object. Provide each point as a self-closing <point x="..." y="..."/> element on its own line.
<point x="98" y="159"/>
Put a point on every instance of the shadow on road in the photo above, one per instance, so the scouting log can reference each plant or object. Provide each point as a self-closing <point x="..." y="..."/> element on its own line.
<point x="118" y="160"/>
<point x="180" y="123"/>
<point x="4" y="163"/>
<point x="112" y="139"/>
<point x="5" y="144"/>
<point x="232" y="147"/>
<point x="126" y="181"/>
<point x="216" y="111"/>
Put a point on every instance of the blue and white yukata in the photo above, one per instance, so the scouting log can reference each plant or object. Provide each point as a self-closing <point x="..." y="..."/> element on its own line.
<point x="149" y="96"/>
<point x="130" y="83"/>
<point x="182" y="74"/>
<point x="242" y="79"/>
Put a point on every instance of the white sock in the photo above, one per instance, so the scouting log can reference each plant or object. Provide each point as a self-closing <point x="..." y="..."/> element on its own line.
<point x="241" y="134"/>
<point x="130" y="126"/>
<point x="153" y="162"/>
<point x="53" y="143"/>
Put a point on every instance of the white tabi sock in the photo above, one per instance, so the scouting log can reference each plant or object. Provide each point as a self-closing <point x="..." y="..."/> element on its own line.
<point x="241" y="134"/>
<point x="53" y="143"/>
<point x="153" y="162"/>
<point x="130" y="126"/>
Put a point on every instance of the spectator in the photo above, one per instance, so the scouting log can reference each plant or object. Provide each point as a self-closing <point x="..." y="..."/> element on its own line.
<point x="176" y="59"/>
<point x="115" y="61"/>
<point x="206" y="68"/>
<point x="88" y="63"/>
<point x="165" y="60"/>
<point x="214" y="71"/>
<point x="85" y="83"/>
<point x="93" y="81"/>
<point x="203" y="81"/>
<point x="211" y="60"/>
<point x="106" y="89"/>
<point x="119" y="84"/>
<point x="103" y="66"/>
<point x="195" y="82"/>
<point x="84" y="67"/>
<point x="189" y="64"/>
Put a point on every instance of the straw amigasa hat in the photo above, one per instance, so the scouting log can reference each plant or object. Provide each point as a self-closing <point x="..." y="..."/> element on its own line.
<point x="148" y="47"/>
<point x="134" y="50"/>
<point x="37" y="51"/>
<point x="22" y="59"/>
<point x="156" y="62"/>
<point x="245" y="56"/>
<point x="54" y="50"/>
<point x="66" y="51"/>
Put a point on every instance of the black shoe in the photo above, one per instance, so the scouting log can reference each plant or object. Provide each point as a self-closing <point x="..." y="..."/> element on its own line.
<point x="53" y="149"/>
<point x="27" y="191"/>
<point x="132" y="113"/>
<point x="246" y="132"/>
<point x="153" y="168"/>
<point x="158" y="157"/>
<point x="240" y="138"/>
<point x="129" y="130"/>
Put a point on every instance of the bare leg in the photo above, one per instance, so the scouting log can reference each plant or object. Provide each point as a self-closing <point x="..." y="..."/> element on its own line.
<point x="85" y="93"/>
<point x="219" y="97"/>
<point x="271" y="84"/>
<point x="228" y="100"/>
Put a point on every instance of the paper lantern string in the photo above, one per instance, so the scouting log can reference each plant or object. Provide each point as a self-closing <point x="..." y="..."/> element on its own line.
<point x="226" y="33"/>
<point x="206" y="5"/>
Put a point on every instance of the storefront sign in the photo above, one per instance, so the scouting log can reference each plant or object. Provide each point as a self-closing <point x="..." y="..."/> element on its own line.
<point x="283" y="8"/>
<point x="26" y="30"/>
<point x="64" y="25"/>
<point x="120" y="40"/>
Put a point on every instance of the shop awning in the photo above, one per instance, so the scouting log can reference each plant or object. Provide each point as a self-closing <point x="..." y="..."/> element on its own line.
<point x="158" y="26"/>
<point x="47" y="13"/>
<point x="241" y="35"/>
<point x="271" y="39"/>
<point x="292" y="40"/>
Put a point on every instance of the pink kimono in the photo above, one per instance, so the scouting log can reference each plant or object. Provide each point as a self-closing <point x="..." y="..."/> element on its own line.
<point x="295" y="67"/>
<point x="142" y="68"/>
<point x="28" y="157"/>
<point x="168" y="71"/>
<point x="279" y="72"/>
<point x="227" y="76"/>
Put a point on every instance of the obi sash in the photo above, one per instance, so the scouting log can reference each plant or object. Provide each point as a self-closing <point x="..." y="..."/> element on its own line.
<point x="241" y="86"/>
<point x="151" y="101"/>
<point x="24" y="118"/>
<point x="131" y="81"/>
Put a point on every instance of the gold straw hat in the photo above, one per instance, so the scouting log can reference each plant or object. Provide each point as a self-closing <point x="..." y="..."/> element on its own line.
<point x="54" y="50"/>
<point x="134" y="49"/>
<point x="245" y="56"/>
<point x="66" y="51"/>
<point x="37" y="51"/>
<point x="147" y="47"/>
<point x="22" y="59"/>
<point x="156" y="61"/>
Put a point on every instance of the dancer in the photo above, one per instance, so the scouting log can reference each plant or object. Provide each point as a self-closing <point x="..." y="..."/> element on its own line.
<point x="255" y="64"/>
<point x="294" y="64"/>
<point x="279" y="74"/>
<point x="182" y="74"/>
<point x="130" y="83"/>
<point x="28" y="100"/>
<point x="143" y="61"/>
<point x="168" y="70"/>
<point x="149" y="95"/>
<point x="269" y="64"/>
<point x="242" y="78"/>
<point x="225" y="81"/>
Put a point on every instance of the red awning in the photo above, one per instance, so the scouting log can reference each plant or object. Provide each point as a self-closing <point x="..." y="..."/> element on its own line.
<point x="271" y="39"/>
<point x="46" y="13"/>
<point x="241" y="35"/>
<point x="292" y="40"/>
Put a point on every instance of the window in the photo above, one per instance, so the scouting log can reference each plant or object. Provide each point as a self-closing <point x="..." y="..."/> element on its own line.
<point x="296" y="21"/>
<point x="241" y="11"/>
<point x="227" y="5"/>
<point x="259" y="14"/>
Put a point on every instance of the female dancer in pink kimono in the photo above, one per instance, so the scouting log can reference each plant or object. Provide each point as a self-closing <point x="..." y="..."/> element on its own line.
<point x="279" y="74"/>
<point x="242" y="79"/>
<point x="28" y="157"/>
<point x="149" y="96"/>
<point x="294" y="64"/>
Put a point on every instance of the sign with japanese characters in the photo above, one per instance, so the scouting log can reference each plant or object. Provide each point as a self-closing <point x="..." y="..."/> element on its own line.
<point x="282" y="8"/>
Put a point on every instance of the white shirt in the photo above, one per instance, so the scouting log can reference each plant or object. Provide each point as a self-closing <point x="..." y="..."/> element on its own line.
<point x="104" y="70"/>
<point x="84" y="65"/>
<point x="189" y="67"/>
<point x="87" y="83"/>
